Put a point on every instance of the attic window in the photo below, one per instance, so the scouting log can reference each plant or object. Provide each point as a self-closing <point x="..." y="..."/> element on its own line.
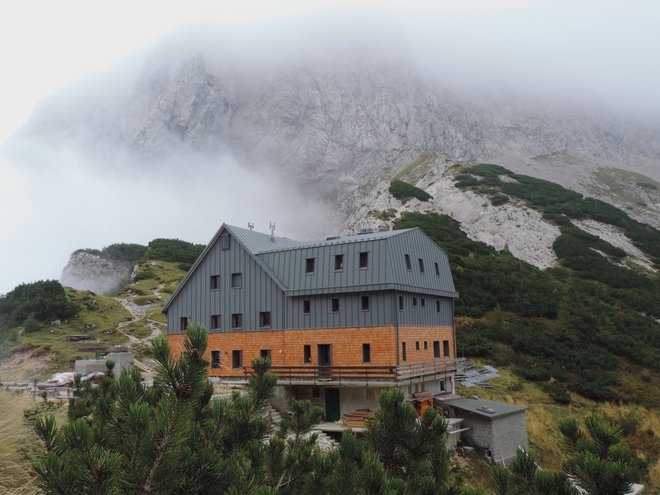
<point x="225" y="241"/>
<point x="408" y="262"/>
<point x="437" y="269"/>
<point x="421" y="265"/>
<point x="364" y="259"/>
<point x="309" y="265"/>
<point x="339" y="262"/>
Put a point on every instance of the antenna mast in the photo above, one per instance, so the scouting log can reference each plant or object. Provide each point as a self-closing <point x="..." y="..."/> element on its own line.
<point x="250" y="226"/>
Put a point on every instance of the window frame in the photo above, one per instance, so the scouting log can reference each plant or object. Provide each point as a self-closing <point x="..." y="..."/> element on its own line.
<point x="363" y="260"/>
<point x="266" y="353"/>
<point x="263" y="316"/>
<point x="334" y="305"/>
<point x="366" y="353"/>
<point x="307" y="306"/>
<point x="216" y="322"/>
<point x="400" y="303"/>
<point x="404" y="352"/>
<point x="184" y="322"/>
<point x="436" y="349"/>
<point x="364" y="303"/>
<point x="215" y="282"/>
<point x="236" y="318"/>
<point x="408" y="262"/>
<point x="237" y="277"/>
<point x="422" y="269"/>
<point x="307" y="354"/>
<point x="310" y="266"/>
<point x="437" y="269"/>
<point x="216" y="364"/>
<point x="446" y="350"/>
<point x="339" y="262"/>
<point x="225" y="241"/>
<point x="236" y="358"/>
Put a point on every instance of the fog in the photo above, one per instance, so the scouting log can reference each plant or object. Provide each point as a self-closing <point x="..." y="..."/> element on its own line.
<point x="52" y="201"/>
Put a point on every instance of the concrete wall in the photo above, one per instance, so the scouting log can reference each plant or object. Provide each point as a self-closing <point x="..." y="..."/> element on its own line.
<point x="122" y="360"/>
<point x="480" y="432"/>
<point x="509" y="433"/>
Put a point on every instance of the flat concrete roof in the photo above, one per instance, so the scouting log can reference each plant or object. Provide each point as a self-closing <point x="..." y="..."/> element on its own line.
<point x="485" y="408"/>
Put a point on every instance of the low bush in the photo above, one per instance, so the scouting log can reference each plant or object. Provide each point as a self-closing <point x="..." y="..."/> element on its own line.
<point x="404" y="191"/>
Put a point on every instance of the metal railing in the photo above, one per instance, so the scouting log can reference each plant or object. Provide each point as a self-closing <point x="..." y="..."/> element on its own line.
<point x="316" y="373"/>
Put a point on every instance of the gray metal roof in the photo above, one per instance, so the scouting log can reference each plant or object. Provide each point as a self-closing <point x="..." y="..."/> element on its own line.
<point x="284" y="260"/>
<point x="486" y="408"/>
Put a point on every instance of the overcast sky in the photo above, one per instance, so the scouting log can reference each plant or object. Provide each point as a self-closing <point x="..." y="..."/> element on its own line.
<point x="605" y="50"/>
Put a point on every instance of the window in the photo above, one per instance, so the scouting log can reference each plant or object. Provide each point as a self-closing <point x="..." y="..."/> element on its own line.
<point x="366" y="353"/>
<point x="316" y="392"/>
<point x="423" y="302"/>
<point x="445" y="347"/>
<point x="408" y="263"/>
<point x="236" y="359"/>
<point x="307" y="354"/>
<point x="215" y="322"/>
<point x="339" y="262"/>
<point x="437" y="305"/>
<point x="426" y="345"/>
<point x="307" y="306"/>
<point x="335" y="305"/>
<point x="236" y="280"/>
<point x="364" y="259"/>
<point x="400" y="303"/>
<point x="237" y="320"/>
<point x="421" y="265"/>
<point x="436" y="348"/>
<point x="309" y="265"/>
<point x="183" y="323"/>
<point x="404" y="355"/>
<point x="414" y="302"/>
<point x="365" y="303"/>
<point x="417" y="345"/>
<point x="265" y="353"/>
<point x="264" y="319"/>
<point x="224" y="241"/>
<point x="215" y="360"/>
<point x="437" y="269"/>
<point x="215" y="282"/>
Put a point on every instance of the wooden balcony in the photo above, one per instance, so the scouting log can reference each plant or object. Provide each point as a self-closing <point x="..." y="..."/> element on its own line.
<point x="362" y="375"/>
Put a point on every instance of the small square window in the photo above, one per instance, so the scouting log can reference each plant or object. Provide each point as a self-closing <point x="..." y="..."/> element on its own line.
<point x="417" y="345"/>
<point x="265" y="353"/>
<point x="307" y="354"/>
<point x="183" y="323"/>
<point x="335" y="305"/>
<point x="364" y="259"/>
<point x="366" y="353"/>
<point x="400" y="303"/>
<point x="339" y="262"/>
<point x="225" y="240"/>
<point x="414" y="302"/>
<point x="365" y="303"/>
<point x="236" y="280"/>
<point x="437" y="269"/>
<point x="215" y="322"/>
<point x="421" y="265"/>
<point x="423" y="301"/>
<point x="264" y="319"/>
<point x="309" y="265"/>
<point x="215" y="282"/>
<point x="307" y="306"/>
<point x="236" y="359"/>
<point x="237" y="320"/>
<point x="215" y="360"/>
<point x="408" y="263"/>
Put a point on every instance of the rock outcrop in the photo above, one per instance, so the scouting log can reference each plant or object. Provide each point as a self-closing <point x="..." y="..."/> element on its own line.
<point x="89" y="270"/>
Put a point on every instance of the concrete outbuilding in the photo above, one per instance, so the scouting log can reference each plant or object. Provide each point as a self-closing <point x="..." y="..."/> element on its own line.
<point x="495" y="426"/>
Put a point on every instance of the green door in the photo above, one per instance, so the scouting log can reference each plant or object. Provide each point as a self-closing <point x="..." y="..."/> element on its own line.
<point x="332" y="404"/>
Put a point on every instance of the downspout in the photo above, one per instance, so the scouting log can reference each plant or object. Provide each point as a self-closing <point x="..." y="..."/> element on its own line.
<point x="396" y="312"/>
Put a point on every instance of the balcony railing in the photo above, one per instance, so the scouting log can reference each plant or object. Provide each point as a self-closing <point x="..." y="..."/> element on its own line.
<point x="339" y="374"/>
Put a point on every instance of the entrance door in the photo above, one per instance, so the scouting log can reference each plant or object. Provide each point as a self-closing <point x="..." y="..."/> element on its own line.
<point x="325" y="360"/>
<point x="332" y="412"/>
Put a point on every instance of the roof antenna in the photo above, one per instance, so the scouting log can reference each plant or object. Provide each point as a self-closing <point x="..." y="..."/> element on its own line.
<point x="271" y="226"/>
<point x="250" y="226"/>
